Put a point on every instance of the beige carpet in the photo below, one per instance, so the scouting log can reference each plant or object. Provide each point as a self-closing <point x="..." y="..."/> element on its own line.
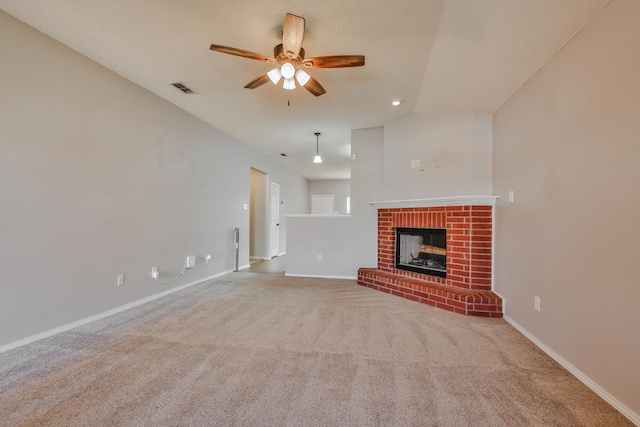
<point x="265" y="350"/>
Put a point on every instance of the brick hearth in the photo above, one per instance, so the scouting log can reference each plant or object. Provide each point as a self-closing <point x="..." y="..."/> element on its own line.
<point x="472" y="303"/>
<point x="467" y="287"/>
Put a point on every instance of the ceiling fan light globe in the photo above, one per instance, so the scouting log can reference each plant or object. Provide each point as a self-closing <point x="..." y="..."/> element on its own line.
<point x="275" y="75"/>
<point x="317" y="159"/>
<point x="302" y="77"/>
<point x="287" y="70"/>
<point x="289" y="84"/>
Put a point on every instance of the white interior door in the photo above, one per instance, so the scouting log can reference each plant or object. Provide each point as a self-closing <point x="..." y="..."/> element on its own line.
<point x="322" y="205"/>
<point x="275" y="219"/>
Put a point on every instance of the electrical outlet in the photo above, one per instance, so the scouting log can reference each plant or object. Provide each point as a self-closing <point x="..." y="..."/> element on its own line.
<point x="511" y="196"/>
<point x="319" y="258"/>
<point x="120" y="281"/>
<point x="190" y="261"/>
<point x="207" y="260"/>
<point x="154" y="272"/>
<point x="536" y="303"/>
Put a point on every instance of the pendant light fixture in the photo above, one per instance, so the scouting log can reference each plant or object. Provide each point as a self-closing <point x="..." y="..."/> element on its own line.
<point x="317" y="158"/>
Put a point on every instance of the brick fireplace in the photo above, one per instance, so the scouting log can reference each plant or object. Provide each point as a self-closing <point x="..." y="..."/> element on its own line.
<point x="468" y="222"/>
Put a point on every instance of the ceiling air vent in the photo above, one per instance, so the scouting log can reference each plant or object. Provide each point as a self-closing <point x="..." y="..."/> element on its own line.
<point x="182" y="87"/>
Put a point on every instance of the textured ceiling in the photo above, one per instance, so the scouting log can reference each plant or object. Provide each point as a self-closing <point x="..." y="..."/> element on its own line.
<point x="436" y="55"/>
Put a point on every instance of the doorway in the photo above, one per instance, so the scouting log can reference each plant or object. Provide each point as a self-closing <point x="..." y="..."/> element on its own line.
<point x="275" y="219"/>
<point x="258" y="216"/>
<point x="264" y="217"/>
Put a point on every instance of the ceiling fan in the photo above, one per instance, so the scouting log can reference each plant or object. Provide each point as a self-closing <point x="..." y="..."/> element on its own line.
<point x="290" y="60"/>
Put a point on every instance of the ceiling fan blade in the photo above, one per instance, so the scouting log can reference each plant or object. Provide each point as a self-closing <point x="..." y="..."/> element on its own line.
<point x="242" y="53"/>
<point x="314" y="87"/>
<point x="257" y="82"/>
<point x="292" y="35"/>
<point x="339" y="61"/>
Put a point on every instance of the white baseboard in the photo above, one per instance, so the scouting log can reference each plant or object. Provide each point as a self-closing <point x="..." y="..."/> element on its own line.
<point x="633" y="417"/>
<point x="105" y="314"/>
<point x="242" y="267"/>
<point x="321" y="276"/>
<point x="283" y="253"/>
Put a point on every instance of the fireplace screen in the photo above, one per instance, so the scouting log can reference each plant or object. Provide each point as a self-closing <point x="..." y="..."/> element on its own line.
<point x="422" y="250"/>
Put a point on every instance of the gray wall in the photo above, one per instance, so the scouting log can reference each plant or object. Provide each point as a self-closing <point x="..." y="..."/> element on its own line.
<point x="339" y="188"/>
<point x="100" y="177"/>
<point x="346" y="243"/>
<point x="568" y="145"/>
<point x="326" y="235"/>
<point x="454" y="150"/>
<point x="367" y="181"/>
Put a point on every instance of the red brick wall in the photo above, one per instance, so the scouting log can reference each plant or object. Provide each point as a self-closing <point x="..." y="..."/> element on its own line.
<point x="469" y="230"/>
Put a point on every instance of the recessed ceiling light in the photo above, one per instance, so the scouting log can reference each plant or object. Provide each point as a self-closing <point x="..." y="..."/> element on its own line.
<point x="396" y="102"/>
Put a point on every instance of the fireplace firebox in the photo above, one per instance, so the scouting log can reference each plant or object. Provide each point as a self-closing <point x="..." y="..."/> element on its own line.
<point x="422" y="250"/>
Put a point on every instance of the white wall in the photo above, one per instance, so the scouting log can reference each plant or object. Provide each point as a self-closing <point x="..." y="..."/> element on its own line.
<point x="568" y="144"/>
<point x="454" y="150"/>
<point x="339" y="188"/>
<point x="100" y="177"/>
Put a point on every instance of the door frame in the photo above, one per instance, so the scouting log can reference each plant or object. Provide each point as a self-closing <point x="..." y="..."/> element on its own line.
<point x="274" y="223"/>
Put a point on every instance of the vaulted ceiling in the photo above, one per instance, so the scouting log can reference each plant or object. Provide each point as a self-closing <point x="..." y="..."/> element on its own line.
<point x="435" y="55"/>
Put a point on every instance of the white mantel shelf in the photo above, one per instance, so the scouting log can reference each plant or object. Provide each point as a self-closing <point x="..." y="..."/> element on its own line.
<point x="318" y="216"/>
<point x="438" y="201"/>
